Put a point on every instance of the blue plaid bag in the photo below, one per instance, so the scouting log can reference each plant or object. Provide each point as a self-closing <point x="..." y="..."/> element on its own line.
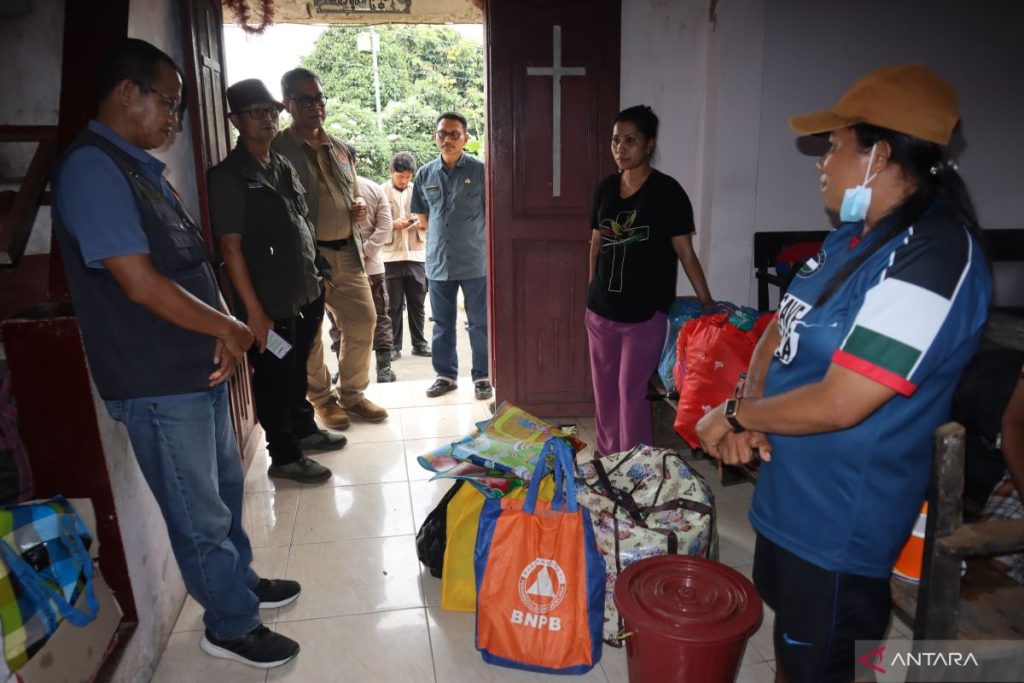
<point x="44" y="569"/>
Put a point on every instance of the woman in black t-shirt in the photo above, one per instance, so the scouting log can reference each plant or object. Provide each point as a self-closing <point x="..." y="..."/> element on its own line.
<point x="642" y="226"/>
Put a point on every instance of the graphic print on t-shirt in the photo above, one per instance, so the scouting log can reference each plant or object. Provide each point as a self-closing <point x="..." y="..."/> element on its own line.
<point x="791" y="313"/>
<point x="617" y="234"/>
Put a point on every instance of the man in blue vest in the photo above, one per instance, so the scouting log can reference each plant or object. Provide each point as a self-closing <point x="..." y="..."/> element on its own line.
<point x="161" y="345"/>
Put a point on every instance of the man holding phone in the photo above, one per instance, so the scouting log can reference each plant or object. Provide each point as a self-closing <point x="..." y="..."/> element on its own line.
<point x="404" y="256"/>
<point x="259" y="216"/>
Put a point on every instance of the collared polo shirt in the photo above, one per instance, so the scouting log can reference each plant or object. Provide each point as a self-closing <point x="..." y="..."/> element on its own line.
<point x="266" y="206"/>
<point x="454" y="203"/>
<point x="113" y="227"/>
<point x="110" y="201"/>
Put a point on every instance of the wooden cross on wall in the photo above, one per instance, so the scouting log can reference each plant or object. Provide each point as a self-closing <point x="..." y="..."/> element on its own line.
<point x="556" y="71"/>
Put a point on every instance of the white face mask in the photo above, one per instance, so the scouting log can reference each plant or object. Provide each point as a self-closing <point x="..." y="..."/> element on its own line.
<point x="856" y="200"/>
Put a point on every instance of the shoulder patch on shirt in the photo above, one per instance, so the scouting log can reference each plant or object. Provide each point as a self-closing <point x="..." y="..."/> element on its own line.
<point x="812" y="264"/>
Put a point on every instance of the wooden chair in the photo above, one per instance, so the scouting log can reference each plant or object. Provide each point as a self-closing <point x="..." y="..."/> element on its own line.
<point x="984" y="603"/>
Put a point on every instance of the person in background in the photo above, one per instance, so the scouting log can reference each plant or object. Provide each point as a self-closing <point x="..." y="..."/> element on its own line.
<point x="404" y="256"/>
<point x="448" y="199"/>
<point x="849" y="386"/>
<point x="376" y="231"/>
<point x="642" y="227"/>
<point x="1005" y="500"/>
<point x="335" y="207"/>
<point x="161" y="345"/>
<point x="268" y="246"/>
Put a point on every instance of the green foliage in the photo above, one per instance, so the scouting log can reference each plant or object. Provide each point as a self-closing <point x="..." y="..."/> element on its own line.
<point x="424" y="71"/>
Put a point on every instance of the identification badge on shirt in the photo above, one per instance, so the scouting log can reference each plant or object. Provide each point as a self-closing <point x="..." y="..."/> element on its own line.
<point x="277" y="345"/>
<point x="255" y="185"/>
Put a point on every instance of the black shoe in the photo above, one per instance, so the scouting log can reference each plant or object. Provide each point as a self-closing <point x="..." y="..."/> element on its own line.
<point x="322" y="441"/>
<point x="385" y="375"/>
<point x="276" y="592"/>
<point x="483" y="390"/>
<point x="303" y="470"/>
<point x="334" y="378"/>
<point x="396" y="354"/>
<point x="440" y="387"/>
<point x="421" y="351"/>
<point x="261" y="648"/>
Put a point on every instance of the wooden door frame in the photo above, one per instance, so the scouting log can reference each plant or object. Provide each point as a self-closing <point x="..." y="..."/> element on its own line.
<point x="506" y="367"/>
<point x="248" y="433"/>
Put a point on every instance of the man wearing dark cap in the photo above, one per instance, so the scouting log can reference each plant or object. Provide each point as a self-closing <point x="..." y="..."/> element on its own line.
<point x="259" y="215"/>
<point x="161" y="345"/>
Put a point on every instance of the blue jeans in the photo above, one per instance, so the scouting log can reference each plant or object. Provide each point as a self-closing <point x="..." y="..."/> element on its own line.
<point x="186" y="449"/>
<point x="443" y="294"/>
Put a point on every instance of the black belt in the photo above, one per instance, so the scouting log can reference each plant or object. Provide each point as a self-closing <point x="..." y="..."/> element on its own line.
<point x="336" y="245"/>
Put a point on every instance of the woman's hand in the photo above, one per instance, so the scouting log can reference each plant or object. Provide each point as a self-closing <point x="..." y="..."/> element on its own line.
<point x="711" y="429"/>
<point x="718" y="440"/>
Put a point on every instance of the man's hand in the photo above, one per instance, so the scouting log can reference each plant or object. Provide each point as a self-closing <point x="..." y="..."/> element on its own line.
<point x="260" y="326"/>
<point x="231" y="346"/>
<point x="358" y="209"/>
<point x="403" y="223"/>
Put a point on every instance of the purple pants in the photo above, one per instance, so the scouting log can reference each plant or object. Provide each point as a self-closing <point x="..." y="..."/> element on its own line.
<point x="622" y="358"/>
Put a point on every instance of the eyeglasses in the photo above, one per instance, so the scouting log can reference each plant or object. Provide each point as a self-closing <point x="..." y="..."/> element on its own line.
<point x="173" y="106"/>
<point x="309" y="101"/>
<point x="443" y="135"/>
<point x="262" y="113"/>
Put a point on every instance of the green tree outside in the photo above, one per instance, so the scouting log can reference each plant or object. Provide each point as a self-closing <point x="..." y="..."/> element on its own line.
<point x="424" y="71"/>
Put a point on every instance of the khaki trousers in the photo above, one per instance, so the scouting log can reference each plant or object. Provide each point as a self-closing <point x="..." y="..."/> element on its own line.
<point x="350" y="302"/>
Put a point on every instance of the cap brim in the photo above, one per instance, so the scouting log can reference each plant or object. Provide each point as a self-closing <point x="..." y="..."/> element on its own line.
<point x="279" y="105"/>
<point x="818" y="122"/>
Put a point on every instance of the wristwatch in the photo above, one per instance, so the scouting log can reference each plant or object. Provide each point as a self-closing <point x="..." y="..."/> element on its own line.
<point x="731" y="407"/>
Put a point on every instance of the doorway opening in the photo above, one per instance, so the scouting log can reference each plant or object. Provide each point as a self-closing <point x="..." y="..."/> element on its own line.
<point x="385" y="86"/>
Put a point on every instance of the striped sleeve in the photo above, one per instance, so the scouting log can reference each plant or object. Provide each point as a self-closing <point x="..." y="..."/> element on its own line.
<point x="898" y="325"/>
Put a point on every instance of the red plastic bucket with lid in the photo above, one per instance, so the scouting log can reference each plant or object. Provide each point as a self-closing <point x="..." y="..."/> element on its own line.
<point x="688" y="619"/>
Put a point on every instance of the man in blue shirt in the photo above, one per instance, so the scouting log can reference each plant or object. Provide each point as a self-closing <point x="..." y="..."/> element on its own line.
<point x="160" y="344"/>
<point x="448" y="198"/>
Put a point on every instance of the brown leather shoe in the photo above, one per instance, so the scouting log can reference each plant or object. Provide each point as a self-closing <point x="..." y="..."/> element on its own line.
<point x="333" y="415"/>
<point x="367" y="410"/>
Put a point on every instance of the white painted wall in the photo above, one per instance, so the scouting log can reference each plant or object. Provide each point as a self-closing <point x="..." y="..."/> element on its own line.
<point x="725" y="89"/>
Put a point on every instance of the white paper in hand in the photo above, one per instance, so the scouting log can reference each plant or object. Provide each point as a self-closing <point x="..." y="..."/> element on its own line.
<point x="277" y="345"/>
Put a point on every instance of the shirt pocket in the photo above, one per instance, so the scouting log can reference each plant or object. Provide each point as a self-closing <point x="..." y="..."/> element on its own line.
<point x="434" y="197"/>
<point x="299" y="194"/>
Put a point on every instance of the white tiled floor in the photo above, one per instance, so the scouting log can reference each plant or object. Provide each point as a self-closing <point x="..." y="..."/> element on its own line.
<point x="368" y="612"/>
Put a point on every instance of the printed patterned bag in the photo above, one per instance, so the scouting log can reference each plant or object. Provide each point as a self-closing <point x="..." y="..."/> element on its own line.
<point x="645" y="502"/>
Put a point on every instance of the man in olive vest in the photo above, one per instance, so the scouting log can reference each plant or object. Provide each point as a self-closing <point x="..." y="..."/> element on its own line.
<point x="335" y="209"/>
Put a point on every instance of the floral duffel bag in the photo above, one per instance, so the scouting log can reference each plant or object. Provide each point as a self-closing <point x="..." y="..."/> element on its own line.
<point x="642" y="503"/>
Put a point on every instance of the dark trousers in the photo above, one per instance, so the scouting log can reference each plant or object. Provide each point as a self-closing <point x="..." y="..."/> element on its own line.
<point x="382" y="333"/>
<point x="279" y="385"/>
<point x="407" y="287"/>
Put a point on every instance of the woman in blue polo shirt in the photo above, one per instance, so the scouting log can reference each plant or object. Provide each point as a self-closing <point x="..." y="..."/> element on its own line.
<point x="860" y="370"/>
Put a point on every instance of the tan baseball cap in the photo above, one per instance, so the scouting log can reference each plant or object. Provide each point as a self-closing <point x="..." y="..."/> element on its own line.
<point x="909" y="98"/>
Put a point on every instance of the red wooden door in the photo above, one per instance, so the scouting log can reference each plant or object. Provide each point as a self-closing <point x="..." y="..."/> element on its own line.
<point x="553" y="92"/>
<point x="202" y="23"/>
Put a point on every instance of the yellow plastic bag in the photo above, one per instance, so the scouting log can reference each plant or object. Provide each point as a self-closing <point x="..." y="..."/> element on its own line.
<point x="458" y="579"/>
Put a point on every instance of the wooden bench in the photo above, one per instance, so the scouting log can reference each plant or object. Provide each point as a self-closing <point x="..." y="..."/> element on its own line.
<point x="985" y="603"/>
